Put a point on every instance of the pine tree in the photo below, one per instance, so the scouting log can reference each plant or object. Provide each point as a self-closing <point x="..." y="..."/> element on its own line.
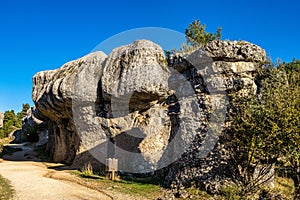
<point x="196" y="35"/>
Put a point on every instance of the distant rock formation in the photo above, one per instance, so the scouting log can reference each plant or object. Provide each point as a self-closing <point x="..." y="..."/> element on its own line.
<point x="35" y="129"/>
<point x="17" y="137"/>
<point x="144" y="110"/>
<point x="1" y="119"/>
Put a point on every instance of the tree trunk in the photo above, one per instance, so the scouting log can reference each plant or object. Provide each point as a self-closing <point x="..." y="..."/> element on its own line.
<point x="296" y="179"/>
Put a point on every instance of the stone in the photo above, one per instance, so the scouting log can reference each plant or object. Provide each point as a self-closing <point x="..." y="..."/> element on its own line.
<point x="35" y="129"/>
<point x="235" y="51"/>
<point x="149" y="113"/>
<point x="1" y="119"/>
<point x="135" y="85"/>
<point x="53" y="93"/>
<point x="223" y="67"/>
<point x="17" y="137"/>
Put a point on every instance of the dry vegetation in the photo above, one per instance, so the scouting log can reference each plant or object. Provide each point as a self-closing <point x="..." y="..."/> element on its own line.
<point x="6" y="191"/>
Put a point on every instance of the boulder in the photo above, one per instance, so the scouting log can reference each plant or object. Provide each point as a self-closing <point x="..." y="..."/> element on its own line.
<point x="18" y="137"/>
<point x="149" y="113"/>
<point x="1" y="119"/>
<point x="53" y="92"/>
<point x="235" y="51"/>
<point x="226" y="67"/>
<point x="35" y="129"/>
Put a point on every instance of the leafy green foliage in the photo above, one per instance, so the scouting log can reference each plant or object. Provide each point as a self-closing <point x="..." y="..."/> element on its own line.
<point x="13" y="121"/>
<point x="266" y="126"/>
<point x="23" y="113"/>
<point x="291" y="142"/>
<point x="196" y="35"/>
<point x="10" y="123"/>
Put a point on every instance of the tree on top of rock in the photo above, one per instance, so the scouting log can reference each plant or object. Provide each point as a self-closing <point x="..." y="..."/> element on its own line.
<point x="196" y="35"/>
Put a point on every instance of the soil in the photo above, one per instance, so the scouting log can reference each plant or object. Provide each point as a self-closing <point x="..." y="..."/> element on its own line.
<point x="33" y="180"/>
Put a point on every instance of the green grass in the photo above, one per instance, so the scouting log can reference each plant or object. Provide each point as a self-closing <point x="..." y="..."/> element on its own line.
<point x="144" y="187"/>
<point x="197" y="193"/>
<point x="6" y="191"/>
<point x="284" y="186"/>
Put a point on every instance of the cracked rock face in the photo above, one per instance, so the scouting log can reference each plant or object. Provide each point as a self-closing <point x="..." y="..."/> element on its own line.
<point x="143" y="110"/>
<point x="53" y="93"/>
<point x="235" y="51"/>
<point x="232" y="68"/>
<point x="1" y="119"/>
<point x="35" y="127"/>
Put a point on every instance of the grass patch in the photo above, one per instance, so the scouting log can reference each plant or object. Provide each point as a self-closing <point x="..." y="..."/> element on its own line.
<point x="198" y="193"/>
<point x="284" y="186"/>
<point x="143" y="187"/>
<point x="87" y="171"/>
<point x="6" y="190"/>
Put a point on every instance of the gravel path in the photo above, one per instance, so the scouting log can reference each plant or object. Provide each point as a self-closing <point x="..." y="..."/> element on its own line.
<point x="29" y="181"/>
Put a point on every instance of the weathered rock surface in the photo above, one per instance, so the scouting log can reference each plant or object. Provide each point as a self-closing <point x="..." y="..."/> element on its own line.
<point x="18" y="136"/>
<point x="232" y="69"/>
<point x="1" y="119"/>
<point x="145" y="111"/>
<point x="235" y="51"/>
<point x="35" y="129"/>
<point x="53" y="92"/>
<point x="135" y="86"/>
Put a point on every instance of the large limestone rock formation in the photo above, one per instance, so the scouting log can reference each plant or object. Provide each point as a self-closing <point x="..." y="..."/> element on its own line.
<point x="1" y="119"/>
<point x="146" y="111"/>
<point x="53" y="94"/>
<point x="233" y="65"/>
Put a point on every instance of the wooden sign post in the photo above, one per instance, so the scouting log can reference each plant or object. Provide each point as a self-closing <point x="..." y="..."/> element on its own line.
<point x="111" y="168"/>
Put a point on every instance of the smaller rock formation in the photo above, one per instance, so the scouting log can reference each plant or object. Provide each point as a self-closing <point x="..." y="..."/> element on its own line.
<point x="1" y="119"/>
<point x="53" y="94"/>
<point x="34" y="129"/>
<point x="17" y="136"/>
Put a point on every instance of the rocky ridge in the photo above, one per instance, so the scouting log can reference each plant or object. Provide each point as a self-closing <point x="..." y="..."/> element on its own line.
<point x="151" y="113"/>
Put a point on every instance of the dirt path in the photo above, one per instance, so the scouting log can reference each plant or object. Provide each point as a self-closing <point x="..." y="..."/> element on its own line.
<point x="29" y="181"/>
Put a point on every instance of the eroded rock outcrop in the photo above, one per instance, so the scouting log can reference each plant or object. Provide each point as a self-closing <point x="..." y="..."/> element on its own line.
<point x="53" y="92"/>
<point x="1" y="119"/>
<point x="146" y="111"/>
<point x="233" y="66"/>
<point x="34" y="129"/>
<point x="17" y="136"/>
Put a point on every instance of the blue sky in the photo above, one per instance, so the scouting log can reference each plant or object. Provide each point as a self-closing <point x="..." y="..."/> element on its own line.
<point x="41" y="35"/>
